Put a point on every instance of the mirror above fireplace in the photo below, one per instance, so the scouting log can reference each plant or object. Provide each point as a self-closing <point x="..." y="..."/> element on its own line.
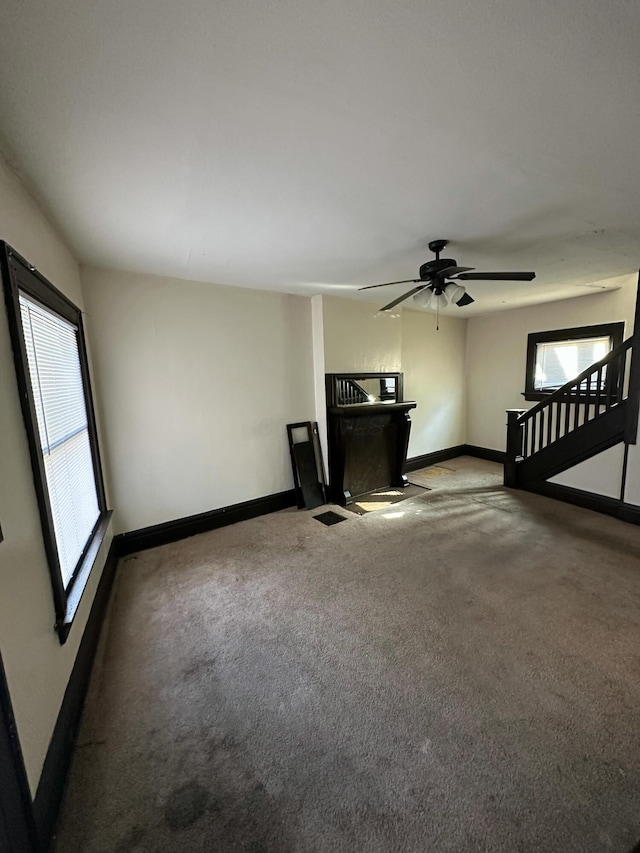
<point x="361" y="389"/>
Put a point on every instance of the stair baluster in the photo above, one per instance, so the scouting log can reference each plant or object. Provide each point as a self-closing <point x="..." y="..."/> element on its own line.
<point x="546" y="440"/>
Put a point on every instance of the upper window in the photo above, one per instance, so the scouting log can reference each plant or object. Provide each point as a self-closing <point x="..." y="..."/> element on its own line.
<point x="555" y="358"/>
<point x="51" y="366"/>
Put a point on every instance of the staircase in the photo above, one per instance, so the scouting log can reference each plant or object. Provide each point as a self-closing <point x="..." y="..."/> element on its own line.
<point x="350" y="393"/>
<point x="591" y="413"/>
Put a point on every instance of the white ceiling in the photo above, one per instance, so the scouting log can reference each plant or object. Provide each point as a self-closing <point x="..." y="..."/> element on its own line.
<point x="314" y="146"/>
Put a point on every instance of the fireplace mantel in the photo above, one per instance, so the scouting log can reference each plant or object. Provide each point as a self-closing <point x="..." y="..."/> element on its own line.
<point x="367" y="441"/>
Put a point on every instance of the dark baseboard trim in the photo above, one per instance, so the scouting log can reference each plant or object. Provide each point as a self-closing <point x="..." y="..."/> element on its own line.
<point x="484" y="453"/>
<point x="587" y="500"/>
<point x="48" y="799"/>
<point x="451" y="453"/>
<point x="181" y="528"/>
<point x="51" y="787"/>
<point x="427" y="459"/>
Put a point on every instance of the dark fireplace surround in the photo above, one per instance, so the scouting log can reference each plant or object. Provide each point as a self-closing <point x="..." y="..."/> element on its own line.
<point x="368" y="426"/>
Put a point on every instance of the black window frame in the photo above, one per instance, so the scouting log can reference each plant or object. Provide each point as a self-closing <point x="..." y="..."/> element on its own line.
<point x="19" y="276"/>
<point x="615" y="332"/>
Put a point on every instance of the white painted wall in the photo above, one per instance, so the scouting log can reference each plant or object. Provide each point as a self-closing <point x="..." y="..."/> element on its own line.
<point x="601" y="475"/>
<point x="317" y="326"/>
<point x="197" y="383"/>
<point x="433" y="366"/>
<point x="358" y="338"/>
<point x="37" y="666"/>
<point x="632" y="489"/>
<point x="496" y="359"/>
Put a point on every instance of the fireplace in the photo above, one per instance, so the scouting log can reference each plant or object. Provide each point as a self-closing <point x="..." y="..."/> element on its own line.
<point x="368" y="431"/>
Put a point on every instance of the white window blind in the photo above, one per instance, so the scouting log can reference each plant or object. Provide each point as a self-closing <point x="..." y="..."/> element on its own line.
<point x="558" y="362"/>
<point x="56" y="381"/>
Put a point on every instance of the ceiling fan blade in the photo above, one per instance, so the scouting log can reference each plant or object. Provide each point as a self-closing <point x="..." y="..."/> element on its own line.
<point x="387" y="283"/>
<point x="450" y="272"/>
<point x="406" y="296"/>
<point x="465" y="300"/>
<point x="496" y="276"/>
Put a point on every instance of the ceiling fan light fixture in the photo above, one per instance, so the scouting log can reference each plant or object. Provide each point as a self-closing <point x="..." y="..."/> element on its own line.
<point x="438" y="301"/>
<point x="455" y="292"/>
<point x="434" y="292"/>
<point x="423" y="297"/>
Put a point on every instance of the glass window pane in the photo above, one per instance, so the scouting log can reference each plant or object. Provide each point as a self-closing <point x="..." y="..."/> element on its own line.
<point x="558" y="362"/>
<point x="56" y="382"/>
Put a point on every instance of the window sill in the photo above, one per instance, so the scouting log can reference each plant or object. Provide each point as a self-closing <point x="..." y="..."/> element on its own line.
<point x="535" y="396"/>
<point x="63" y="626"/>
<point x="581" y="397"/>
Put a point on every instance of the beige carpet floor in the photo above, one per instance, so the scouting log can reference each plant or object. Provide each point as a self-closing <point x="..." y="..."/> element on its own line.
<point x="383" y="499"/>
<point x="460" y="673"/>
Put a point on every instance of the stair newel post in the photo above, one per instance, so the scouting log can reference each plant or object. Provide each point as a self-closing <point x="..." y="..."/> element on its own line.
<point x="514" y="447"/>
<point x="631" y="431"/>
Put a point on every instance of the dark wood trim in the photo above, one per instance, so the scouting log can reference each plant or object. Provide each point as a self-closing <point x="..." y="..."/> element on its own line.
<point x="586" y="500"/>
<point x="91" y="418"/>
<point x="87" y="562"/>
<point x="367" y="447"/>
<point x="593" y="437"/>
<point x="436" y="456"/>
<point x="51" y="787"/>
<point x="633" y="395"/>
<point x="19" y="275"/>
<point x="30" y="423"/>
<point x="182" y="528"/>
<point x="370" y="408"/>
<point x="499" y="456"/>
<point x="416" y="462"/>
<point x="17" y="827"/>
<point x="37" y="286"/>
<point x="614" y="330"/>
<point x="515" y="437"/>
<point x="625" y="465"/>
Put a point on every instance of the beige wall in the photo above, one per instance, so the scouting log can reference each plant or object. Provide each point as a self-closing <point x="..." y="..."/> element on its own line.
<point x="632" y="490"/>
<point x="433" y="367"/>
<point x="37" y="666"/>
<point x="358" y="338"/>
<point x="496" y="356"/>
<point x="320" y="414"/>
<point x="197" y="383"/>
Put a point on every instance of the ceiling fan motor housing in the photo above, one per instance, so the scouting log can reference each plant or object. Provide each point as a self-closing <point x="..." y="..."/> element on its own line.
<point x="428" y="269"/>
<point x="433" y="281"/>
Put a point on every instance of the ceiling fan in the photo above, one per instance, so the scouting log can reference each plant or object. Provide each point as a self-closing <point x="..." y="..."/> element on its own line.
<point x="435" y="291"/>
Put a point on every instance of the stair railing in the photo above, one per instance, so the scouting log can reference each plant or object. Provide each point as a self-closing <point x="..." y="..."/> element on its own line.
<point x="349" y="393"/>
<point x="597" y="389"/>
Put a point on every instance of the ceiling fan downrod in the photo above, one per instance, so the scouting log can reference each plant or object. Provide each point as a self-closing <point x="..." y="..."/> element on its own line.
<point x="436" y="246"/>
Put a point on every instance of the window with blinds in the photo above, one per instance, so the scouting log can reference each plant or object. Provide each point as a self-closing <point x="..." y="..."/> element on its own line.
<point x="53" y="386"/>
<point x="55" y="374"/>
<point x="558" y="362"/>
<point x="558" y="356"/>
